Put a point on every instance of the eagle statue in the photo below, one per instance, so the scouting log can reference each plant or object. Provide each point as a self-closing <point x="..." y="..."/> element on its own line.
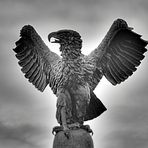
<point x="73" y="76"/>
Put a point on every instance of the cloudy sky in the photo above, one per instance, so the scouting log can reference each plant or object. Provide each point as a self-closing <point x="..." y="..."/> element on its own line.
<point x="27" y="116"/>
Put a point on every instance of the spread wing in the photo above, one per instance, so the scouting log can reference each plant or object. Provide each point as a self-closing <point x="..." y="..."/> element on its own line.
<point x="118" y="55"/>
<point x="34" y="57"/>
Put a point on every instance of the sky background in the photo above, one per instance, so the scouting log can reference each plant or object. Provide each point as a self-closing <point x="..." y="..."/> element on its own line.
<point x="28" y="116"/>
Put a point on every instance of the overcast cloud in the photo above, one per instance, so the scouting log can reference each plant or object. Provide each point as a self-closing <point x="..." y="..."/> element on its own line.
<point x="27" y="116"/>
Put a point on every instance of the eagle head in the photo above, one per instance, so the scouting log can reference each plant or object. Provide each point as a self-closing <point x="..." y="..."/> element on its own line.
<point x="69" y="40"/>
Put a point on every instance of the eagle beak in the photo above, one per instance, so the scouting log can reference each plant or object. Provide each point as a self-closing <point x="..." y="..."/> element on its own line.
<point x="52" y="37"/>
<point x="54" y="40"/>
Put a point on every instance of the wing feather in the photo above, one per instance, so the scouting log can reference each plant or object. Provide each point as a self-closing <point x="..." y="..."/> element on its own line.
<point x="34" y="57"/>
<point x="108" y="74"/>
<point x="117" y="72"/>
<point x="31" y="64"/>
<point x="119" y="69"/>
<point x="32" y="72"/>
<point x="23" y="54"/>
<point x="23" y="62"/>
<point x="131" y="58"/>
<point x="122" y="65"/>
<point x="120" y="53"/>
<point x="125" y="59"/>
<point x="130" y="52"/>
<point x="36" y="76"/>
<point x="40" y="80"/>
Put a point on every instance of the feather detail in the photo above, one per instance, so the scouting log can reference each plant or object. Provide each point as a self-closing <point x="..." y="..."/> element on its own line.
<point x="33" y="55"/>
<point x="95" y="108"/>
<point x="120" y="52"/>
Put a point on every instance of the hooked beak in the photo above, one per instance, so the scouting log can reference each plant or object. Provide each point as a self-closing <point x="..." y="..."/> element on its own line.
<point x="52" y="37"/>
<point x="54" y="40"/>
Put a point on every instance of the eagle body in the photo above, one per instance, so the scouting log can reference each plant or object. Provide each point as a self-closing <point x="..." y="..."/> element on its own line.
<point x="70" y="80"/>
<point x="74" y="76"/>
<point x="68" y="73"/>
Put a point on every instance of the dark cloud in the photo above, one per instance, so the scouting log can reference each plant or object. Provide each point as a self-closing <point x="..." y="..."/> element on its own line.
<point x="21" y="135"/>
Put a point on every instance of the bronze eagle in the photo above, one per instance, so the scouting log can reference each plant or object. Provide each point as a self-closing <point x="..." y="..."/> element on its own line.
<point x="73" y="76"/>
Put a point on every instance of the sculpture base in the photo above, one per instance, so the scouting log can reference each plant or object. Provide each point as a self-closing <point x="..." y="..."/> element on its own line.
<point x="79" y="138"/>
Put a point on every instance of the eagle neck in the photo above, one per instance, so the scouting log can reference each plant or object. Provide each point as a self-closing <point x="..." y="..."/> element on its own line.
<point x="70" y="53"/>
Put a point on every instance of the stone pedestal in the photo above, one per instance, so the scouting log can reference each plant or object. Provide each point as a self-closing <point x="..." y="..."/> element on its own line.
<point x="78" y="139"/>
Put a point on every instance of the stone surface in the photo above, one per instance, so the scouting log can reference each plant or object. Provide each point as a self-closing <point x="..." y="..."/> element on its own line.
<point x="78" y="139"/>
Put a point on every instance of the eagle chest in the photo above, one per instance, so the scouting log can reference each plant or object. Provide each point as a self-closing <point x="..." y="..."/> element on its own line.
<point x="72" y="73"/>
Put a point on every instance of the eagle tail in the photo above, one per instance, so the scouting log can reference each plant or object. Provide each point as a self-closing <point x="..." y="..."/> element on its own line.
<point x="95" y="108"/>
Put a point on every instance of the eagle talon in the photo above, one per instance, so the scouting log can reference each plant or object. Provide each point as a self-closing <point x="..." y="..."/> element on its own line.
<point x="66" y="132"/>
<point x="57" y="129"/>
<point x="87" y="128"/>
